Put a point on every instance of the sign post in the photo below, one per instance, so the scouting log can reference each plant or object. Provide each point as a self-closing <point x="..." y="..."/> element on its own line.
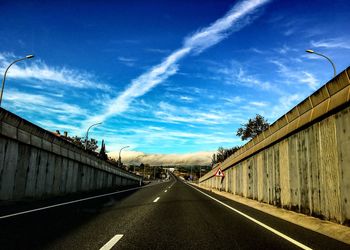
<point x="220" y="173"/>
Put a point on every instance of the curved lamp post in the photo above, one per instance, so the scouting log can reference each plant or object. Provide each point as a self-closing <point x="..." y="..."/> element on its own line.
<point x="313" y="52"/>
<point x="87" y="133"/>
<point x="4" y="78"/>
<point x="120" y="159"/>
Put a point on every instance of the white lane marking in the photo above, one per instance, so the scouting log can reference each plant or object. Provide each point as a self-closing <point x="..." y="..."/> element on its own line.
<point x="112" y="242"/>
<point x="297" y="243"/>
<point x="156" y="199"/>
<point x="75" y="201"/>
<point x="172" y="184"/>
<point x="165" y="190"/>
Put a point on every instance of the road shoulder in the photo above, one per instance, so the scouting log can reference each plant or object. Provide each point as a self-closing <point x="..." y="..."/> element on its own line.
<point x="330" y="229"/>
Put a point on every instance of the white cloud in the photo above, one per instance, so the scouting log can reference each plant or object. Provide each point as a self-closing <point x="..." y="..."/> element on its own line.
<point x="197" y="42"/>
<point x="331" y="43"/>
<point x="38" y="70"/>
<point x="258" y="104"/>
<point x="177" y="114"/>
<point x="285" y="103"/>
<point x="48" y="107"/>
<point x="134" y="157"/>
<point x="250" y="80"/>
<point x="284" y="49"/>
<point x="233" y="100"/>
<point x="300" y="76"/>
<point x="161" y="51"/>
<point x="127" y="61"/>
<point x="186" y="99"/>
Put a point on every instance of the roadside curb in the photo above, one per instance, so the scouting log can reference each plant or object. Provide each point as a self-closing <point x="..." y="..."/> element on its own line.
<point x="330" y="229"/>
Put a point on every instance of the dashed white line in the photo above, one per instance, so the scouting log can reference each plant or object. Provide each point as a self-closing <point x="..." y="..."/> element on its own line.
<point x="172" y="184"/>
<point x="112" y="242"/>
<point x="165" y="190"/>
<point x="297" y="243"/>
<point x="156" y="199"/>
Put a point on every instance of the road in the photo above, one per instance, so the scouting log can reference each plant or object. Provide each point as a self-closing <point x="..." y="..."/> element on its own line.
<point x="165" y="215"/>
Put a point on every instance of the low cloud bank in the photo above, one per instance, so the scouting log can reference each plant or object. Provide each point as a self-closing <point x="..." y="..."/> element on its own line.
<point x="134" y="157"/>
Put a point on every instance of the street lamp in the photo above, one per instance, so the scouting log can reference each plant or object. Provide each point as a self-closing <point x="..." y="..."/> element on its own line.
<point x="87" y="133"/>
<point x="120" y="159"/>
<point x="313" y="52"/>
<point x="4" y="78"/>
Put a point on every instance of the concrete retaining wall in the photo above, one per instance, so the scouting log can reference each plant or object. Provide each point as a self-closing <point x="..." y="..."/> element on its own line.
<point x="34" y="163"/>
<point x="302" y="162"/>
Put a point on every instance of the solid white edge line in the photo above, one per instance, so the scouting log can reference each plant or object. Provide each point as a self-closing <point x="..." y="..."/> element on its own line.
<point x="156" y="199"/>
<point x="112" y="242"/>
<point x="297" y="243"/>
<point x="75" y="201"/>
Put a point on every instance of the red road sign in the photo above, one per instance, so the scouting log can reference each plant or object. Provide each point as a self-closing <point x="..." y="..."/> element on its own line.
<point x="219" y="173"/>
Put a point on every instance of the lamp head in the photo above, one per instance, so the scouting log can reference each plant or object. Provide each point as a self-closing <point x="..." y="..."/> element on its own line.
<point x="310" y="51"/>
<point x="29" y="56"/>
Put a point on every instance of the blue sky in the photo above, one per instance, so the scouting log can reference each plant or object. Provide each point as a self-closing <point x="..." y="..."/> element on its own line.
<point x="166" y="77"/>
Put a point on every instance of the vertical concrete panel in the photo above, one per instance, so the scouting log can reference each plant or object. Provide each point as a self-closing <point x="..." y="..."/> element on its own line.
<point x="2" y="155"/>
<point x="7" y="181"/>
<point x="255" y="178"/>
<point x="277" y="187"/>
<point x="284" y="174"/>
<point x="64" y="173"/>
<point x="75" y="177"/>
<point x="86" y="178"/>
<point x="294" y="173"/>
<point x="330" y="166"/>
<point x="269" y="161"/>
<point x="70" y="182"/>
<point x="303" y="167"/>
<point x="32" y="172"/>
<point x="118" y="181"/>
<point x="80" y="178"/>
<point x="21" y="172"/>
<point x="343" y="139"/>
<point x="95" y="175"/>
<point x="226" y="180"/>
<point x="234" y="181"/>
<point x="50" y="173"/>
<point x="239" y="179"/>
<point x="314" y="170"/>
<point x="109" y="180"/>
<point x="83" y="178"/>
<point x="244" y="179"/>
<point x="266" y="178"/>
<point x="41" y="174"/>
<point x="261" y="175"/>
<point x="249" y="178"/>
<point x="57" y="175"/>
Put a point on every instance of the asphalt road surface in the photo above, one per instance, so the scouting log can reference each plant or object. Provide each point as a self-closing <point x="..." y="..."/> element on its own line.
<point x="165" y="215"/>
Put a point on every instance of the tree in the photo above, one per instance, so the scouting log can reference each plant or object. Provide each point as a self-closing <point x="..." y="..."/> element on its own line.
<point x="80" y="142"/>
<point x="223" y="153"/>
<point x="103" y="154"/>
<point x="253" y="127"/>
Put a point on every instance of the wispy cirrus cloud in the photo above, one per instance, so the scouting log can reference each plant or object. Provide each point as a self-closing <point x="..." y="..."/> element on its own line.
<point x="38" y="70"/>
<point x="340" y="43"/>
<point x="294" y="75"/>
<point x="177" y="114"/>
<point x="128" y="61"/>
<point x="203" y="39"/>
<point x="49" y="112"/>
